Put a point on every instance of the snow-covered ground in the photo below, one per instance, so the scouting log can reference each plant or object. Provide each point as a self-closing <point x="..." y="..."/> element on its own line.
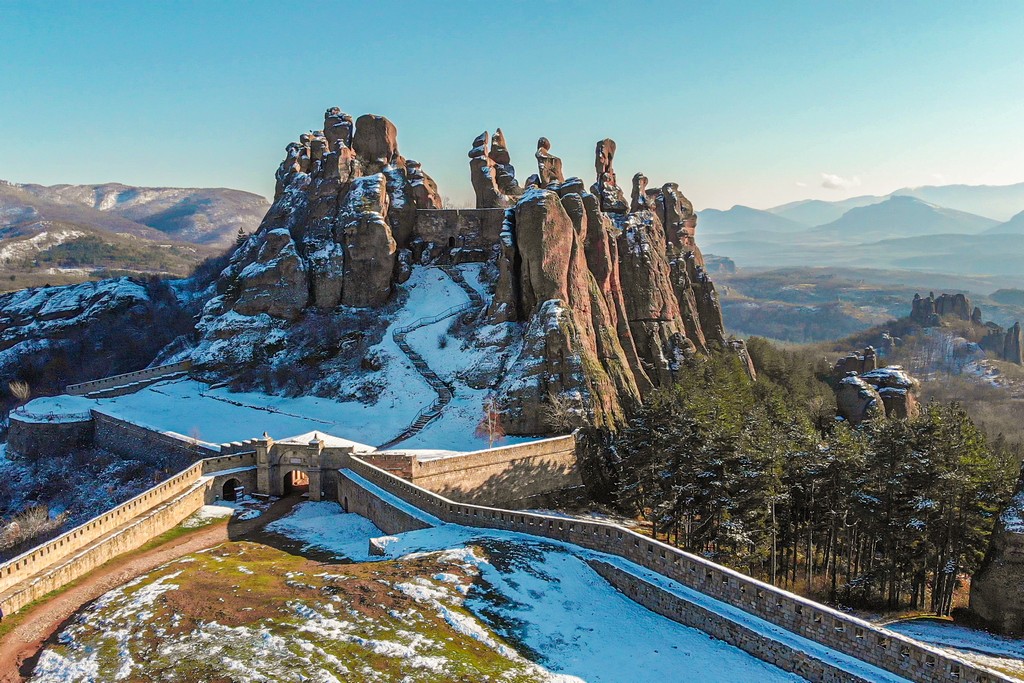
<point x="195" y="410"/>
<point x="998" y="652"/>
<point x="532" y="603"/>
<point x="545" y="596"/>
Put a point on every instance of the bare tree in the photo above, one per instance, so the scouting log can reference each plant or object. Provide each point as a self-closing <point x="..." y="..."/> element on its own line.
<point x="490" y="424"/>
<point x="559" y="413"/>
<point x="20" y="391"/>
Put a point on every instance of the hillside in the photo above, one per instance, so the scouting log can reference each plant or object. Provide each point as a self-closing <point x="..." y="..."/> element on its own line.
<point x="70" y="233"/>
<point x="901" y="216"/>
<point x="210" y="216"/>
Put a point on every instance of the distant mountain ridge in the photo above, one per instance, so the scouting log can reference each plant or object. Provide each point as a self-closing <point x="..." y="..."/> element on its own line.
<point x="901" y="231"/>
<point x="210" y="216"/>
<point x="64" y="234"/>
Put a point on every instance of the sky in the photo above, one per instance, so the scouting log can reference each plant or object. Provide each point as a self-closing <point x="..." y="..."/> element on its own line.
<point x="755" y="103"/>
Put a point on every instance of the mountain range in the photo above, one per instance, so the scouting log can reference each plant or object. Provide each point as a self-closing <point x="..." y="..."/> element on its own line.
<point x="957" y="229"/>
<point x="64" y="233"/>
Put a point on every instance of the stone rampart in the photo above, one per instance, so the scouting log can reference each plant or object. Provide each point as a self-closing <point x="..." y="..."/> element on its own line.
<point x="126" y="527"/>
<point x="128" y="439"/>
<point x="472" y="232"/>
<point x="70" y="566"/>
<point x="388" y="518"/>
<point x="754" y="642"/>
<point x="39" y="558"/>
<point x="127" y="378"/>
<point x="497" y="476"/>
<point x="867" y="642"/>
<point x="32" y="439"/>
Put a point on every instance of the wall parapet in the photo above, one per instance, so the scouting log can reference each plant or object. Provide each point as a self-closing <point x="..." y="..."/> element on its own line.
<point x="887" y="650"/>
<point x="127" y="378"/>
<point x="39" y="558"/>
<point x="120" y="436"/>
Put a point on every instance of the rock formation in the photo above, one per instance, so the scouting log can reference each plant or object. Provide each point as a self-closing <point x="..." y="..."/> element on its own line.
<point x="997" y="593"/>
<point x="343" y="211"/>
<point x="864" y="390"/>
<point x="607" y="298"/>
<point x="1007" y="345"/>
<point x="856" y="363"/>
<point x="1004" y="344"/>
<point x="549" y="166"/>
<point x="492" y="173"/>
<point x="929" y="311"/>
<point x="609" y="288"/>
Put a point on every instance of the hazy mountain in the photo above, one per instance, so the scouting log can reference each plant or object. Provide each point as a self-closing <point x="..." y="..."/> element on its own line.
<point x="812" y="212"/>
<point x="903" y="216"/>
<point x="743" y="218"/>
<point x="1014" y="226"/>
<point x="197" y="215"/>
<point x="998" y="202"/>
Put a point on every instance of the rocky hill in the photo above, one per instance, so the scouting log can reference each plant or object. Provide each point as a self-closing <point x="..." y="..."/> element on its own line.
<point x="588" y="299"/>
<point x="69" y="233"/>
<point x="210" y="216"/>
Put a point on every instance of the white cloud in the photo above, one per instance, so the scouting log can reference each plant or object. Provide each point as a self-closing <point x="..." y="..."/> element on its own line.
<point x="831" y="181"/>
<point x="801" y="184"/>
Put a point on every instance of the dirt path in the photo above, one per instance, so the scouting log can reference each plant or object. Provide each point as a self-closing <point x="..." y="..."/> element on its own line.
<point x="20" y="648"/>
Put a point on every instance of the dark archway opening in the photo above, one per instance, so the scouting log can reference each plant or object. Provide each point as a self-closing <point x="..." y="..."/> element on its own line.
<point x="233" y="490"/>
<point x="295" y="481"/>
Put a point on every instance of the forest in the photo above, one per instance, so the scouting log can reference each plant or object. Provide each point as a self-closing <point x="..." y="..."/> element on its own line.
<point x="761" y="476"/>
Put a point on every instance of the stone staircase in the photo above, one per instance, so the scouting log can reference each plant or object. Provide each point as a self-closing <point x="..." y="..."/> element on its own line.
<point x="445" y="391"/>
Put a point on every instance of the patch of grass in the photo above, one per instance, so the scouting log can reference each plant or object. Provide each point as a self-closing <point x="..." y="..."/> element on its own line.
<point x="234" y="603"/>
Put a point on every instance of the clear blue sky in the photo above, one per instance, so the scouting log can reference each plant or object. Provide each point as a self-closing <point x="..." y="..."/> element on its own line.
<point x="753" y="103"/>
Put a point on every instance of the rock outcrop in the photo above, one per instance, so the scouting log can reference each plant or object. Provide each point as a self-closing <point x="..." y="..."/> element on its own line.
<point x="865" y="390"/>
<point x="609" y="298"/>
<point x="997" y="593"/>
<point x="344" y="208"/>
<point x="929" y="311"/>
<point x="1007" y="345"/>
<point x="618" y="293"/>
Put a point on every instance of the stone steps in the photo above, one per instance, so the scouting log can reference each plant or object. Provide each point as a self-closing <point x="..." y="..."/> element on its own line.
<point x="445" y="392"/>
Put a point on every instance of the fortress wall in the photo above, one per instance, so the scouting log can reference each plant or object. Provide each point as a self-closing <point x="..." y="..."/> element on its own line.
<point x="855" y="637"/>
<point x="164" y="516"/>
<point x="473" y="231"/>
<point x="387" y="517"/>
<point x="689" y="613"/>
<point x="31" y="440"/>
<point x="67" y="544"/>
<point x="128" y="439"/>
<point x="127" y="378"/>
<point x="151" y="513"/>
<point x="502" y="476"/>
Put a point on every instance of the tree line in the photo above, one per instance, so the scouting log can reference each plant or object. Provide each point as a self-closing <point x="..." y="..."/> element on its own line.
<point x="762" y="477"/>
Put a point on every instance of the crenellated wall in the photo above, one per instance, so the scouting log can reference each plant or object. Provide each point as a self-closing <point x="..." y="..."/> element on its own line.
<point x="474" y="232"/>
<point x="128" y="379"/>
<point x="503" y="476"/>
<point x="857" y="638"/>
<point x="127" y="439"/>
<point x="52" y="565"/>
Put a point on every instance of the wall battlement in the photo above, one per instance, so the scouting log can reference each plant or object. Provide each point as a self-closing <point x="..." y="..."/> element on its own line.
<point x="857" y="638"/>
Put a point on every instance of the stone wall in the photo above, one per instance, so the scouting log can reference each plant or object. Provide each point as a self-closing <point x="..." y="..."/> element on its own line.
<point x="846" y="634"/>
<point x="783" y="655"/>
<point x="147" y="526"/>
<point x="128" y="439"/>
<point x="474" y="232"/>
<point x="387" y="517"/>
<point x="72" y="554"/>
<point x="498" y="476"/>
<point x="32" y="439"/>
<point x="128" y="378"/>
<point x="67" y="544"/>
